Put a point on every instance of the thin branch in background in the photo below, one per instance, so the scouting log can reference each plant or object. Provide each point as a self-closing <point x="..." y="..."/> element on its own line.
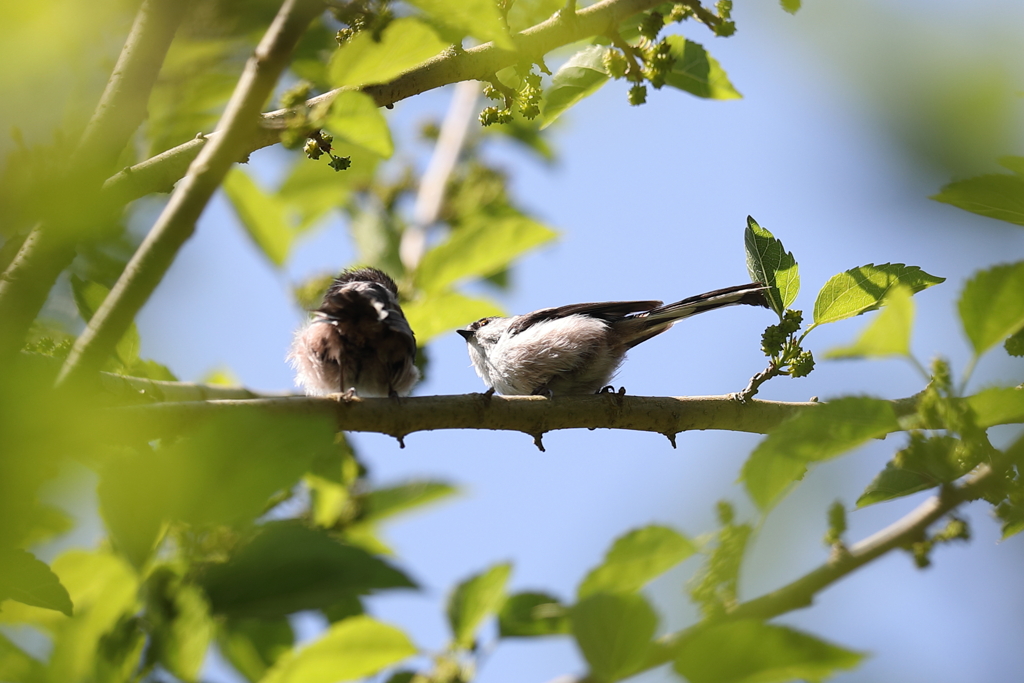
<point x="461" y="114"/>
<point x="237" y="127"/>
<point x="50" y="247"/>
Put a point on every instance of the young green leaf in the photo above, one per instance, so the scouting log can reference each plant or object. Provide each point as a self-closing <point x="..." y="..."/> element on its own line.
<point x="262" y="215"/>
<point x="478" y="18"/>
<point x="749" y="651"/>
<point x="532" y="614"/>
<point x="480" y="248"/>
<point x="992" y="305"/>
<point x="814" y="435"/>
<point x="253" y="645"/>
<point x="1013" y="163"/>
<point x="437" y="313"/>
<point x="894" y="482"/>
<point x="474" y="600"/>
<point x="863" y="289"/>
<point x="996" y="196"/>
<point x="288" y="567"/>
<point x="385" y="502"/>
<point x="888" y="334"/>
<point x="355" y="117"/>
<point x="405" y="43"/>
<point x="181" y="629"/>
<point x="769" y="263"/>
<point x="636" y="558"/>
<point x="581" y="76"/>
<point x="791" y="6"/>
<point x="696" y="72"/>
<point x="614" y="633"/>
<point x="25" y="579"/>
<point x="349" y="650"/>
<point x="997" y="405"/>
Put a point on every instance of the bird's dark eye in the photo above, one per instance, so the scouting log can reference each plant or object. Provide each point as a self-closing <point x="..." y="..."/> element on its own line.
<point x="480" y="323"/>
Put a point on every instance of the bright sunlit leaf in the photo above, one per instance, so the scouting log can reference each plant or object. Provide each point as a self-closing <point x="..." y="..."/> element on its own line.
<point x="435" y="314"/>
<point x="474" y="600"/>
<point x="405" y="43"/>
<point x="532" y="614"/>
<point x="992" y="305"/>
<point x="998" y="196"/>
<point x="262" y="214"/>
<point x="478" y="18"/>
<point x="30" y="581"/>
<point x="769" y="263"/>
<point x="351" y="649"/>
<point x="635" y="559"/>
<point x="888" y="334"/>
<point x="864" y="289"/>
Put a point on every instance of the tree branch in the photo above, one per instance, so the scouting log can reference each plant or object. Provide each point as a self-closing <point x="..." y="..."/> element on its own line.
<point x="176" y="224"/>
<point x="477" y="63"/>
<point x="50" y="247"/>
<point x="800" y="593"/>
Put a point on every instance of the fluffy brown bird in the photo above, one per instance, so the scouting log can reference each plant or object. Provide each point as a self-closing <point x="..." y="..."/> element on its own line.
<point x="358" y="341"/>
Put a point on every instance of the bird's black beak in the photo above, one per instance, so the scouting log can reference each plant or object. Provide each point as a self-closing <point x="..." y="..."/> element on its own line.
<point x="466" y="333"/>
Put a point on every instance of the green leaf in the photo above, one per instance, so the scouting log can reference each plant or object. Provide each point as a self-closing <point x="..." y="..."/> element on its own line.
<point x="696" y="72"/>
<point x="814" y="435"/>
<point x="863" y="289"/>
<point x="997" y="405"/>
<point x="405" y="43"/>
<point x="894" y="482"/>
<point x="749" y="651"/>
<point x="581" y="76"/>
<point x="791" y="6"/>
<point x="355" y="117"/>
<point x="996" y="196"/>
<point x="532" y="614"/>
<point x="474" y="600"/>
<point x="46" y="522"/>
<point x="636" y="558"/>
<point x="478" y="18"/>
<point x="262" y="215"/>
<point x="351" y="649"/>
<point x="482" y="247"/>
<point x="1013" y="163"/>
<point x="769" y="263"/>
<point x="253" y="645"/>
<point x="437" y="313"/>
<point x="992" y="305"/>
<point x="387" y="502"/>
<point x="28" y="580"/>
<point x="888" y="334"/>
<point x="614" y="633"/>
<point x="288" y="567"/>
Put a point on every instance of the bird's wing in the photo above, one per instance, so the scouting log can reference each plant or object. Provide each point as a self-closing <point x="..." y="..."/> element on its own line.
<point x="604" y="310"/>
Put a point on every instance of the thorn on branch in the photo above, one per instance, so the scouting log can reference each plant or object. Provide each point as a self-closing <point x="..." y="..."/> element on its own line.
<point x="538" y="441"/>
<point x="671" y="436"/>
<point x="401" y="440"/>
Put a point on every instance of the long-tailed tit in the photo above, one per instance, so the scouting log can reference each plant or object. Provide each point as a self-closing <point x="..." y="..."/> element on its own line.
<point x="358" y="341"/>
<point x="576" y="349"/>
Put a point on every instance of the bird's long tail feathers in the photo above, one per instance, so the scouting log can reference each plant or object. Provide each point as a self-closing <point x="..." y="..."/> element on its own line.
<point x="659" y="319"/>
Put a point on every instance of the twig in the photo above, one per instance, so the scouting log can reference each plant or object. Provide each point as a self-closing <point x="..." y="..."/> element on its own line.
<point x="50" y="247"/>
<point x="435" y="178"/>
<point x="176" y="224"/>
